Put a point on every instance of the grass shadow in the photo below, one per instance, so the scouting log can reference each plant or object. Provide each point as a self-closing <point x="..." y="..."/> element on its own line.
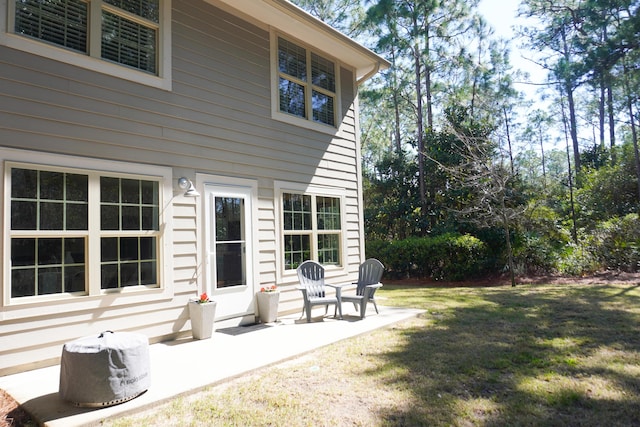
<point x="533" y="355"/>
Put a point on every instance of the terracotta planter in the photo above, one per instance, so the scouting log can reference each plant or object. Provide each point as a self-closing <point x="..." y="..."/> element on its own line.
<point x="268" y="306"/>
<point x="202" y="317"/>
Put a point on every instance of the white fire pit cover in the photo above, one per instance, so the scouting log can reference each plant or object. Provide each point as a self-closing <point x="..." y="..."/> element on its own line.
<point x="105" y="370"/>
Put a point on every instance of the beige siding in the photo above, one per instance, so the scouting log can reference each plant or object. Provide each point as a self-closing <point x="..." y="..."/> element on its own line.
<point x="216" y="120"/>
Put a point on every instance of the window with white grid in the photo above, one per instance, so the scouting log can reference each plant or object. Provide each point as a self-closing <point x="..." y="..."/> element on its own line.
<point x="58" y="214"/>
<point x="306" y="83"/>
<point x="311" y="229"/>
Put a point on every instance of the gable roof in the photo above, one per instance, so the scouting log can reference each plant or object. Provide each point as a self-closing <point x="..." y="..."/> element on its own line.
<point x="284" y="15"/>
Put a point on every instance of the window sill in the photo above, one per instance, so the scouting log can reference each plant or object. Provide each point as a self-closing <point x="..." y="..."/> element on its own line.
<point x="83" y="61"/>
<point x="304" y="123"/>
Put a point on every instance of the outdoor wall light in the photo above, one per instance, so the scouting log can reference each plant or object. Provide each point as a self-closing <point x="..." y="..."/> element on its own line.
<point x="186" y="184"/>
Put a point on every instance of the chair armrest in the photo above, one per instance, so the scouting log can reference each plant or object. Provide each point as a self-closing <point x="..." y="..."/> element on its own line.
<point x="370" y="290"/>
<point x="341" y="285"/>
<point x="303" y="289"/>
<point x="338" y="289"/>
<point x="352" y="285"/>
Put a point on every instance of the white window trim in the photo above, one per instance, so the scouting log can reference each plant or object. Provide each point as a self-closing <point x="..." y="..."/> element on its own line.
<point x="162" y="80"/>
<point x="96" y="297"/>
<point x="281" y="187"/>
<point x="276" y="114"/>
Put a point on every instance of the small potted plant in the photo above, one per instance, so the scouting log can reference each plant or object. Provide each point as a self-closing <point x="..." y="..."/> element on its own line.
<point x="202" y="312"/>
<point x="268" y="299"/>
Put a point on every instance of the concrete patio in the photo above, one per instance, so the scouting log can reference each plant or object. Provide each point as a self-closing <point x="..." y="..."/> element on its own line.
<point x="185" y="366"/>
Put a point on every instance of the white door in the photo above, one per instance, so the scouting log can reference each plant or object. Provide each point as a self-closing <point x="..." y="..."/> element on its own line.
<point x="229" y="251"/>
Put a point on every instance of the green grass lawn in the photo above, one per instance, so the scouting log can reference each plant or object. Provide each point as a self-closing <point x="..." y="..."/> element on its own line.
<point x="496" y="356"/>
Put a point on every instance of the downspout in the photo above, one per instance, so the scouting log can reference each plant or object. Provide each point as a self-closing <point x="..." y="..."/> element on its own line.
<point x="370" y="74"/>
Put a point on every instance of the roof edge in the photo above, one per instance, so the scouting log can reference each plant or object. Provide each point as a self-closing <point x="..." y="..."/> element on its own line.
<point x="291" y="19"/>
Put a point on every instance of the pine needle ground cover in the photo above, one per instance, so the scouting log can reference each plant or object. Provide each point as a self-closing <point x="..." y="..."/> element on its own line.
<point x="551" y="355"/>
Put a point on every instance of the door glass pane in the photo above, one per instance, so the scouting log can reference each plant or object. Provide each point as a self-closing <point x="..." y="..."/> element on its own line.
<point x="229" y="217"/>
<point x="230" y="263"/>
<point x="229" y="241"/>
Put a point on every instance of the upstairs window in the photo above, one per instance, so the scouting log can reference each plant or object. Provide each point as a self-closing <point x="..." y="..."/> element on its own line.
<point x="306" y="84"/>
<point x="127" y="32"/>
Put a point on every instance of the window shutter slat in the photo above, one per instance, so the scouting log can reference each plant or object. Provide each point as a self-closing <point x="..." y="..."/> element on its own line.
<point x="63" y="23"/>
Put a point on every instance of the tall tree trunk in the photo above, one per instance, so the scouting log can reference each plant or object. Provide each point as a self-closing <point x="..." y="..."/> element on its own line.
<point x="601" y="108"/>
<point x="607" y="81"/>
<point x="568" y="86"/>
<point x="544" y="166"/>
<point x="634" y="133"/>
<point x="507" y="232"/>
<point x="611" y="112"/>
<point x="420" y="119"/>
<point x="506" y="124"/>
<point x="431" y="192"/>
<point x="603" y="85"/>
<point x="574" y="228"/>
<point x="396" y="102"/>
<point x="427" y="78"/>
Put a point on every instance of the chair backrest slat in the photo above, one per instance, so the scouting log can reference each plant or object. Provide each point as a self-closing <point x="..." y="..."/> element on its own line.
<point x="311" y="276"/>
<point x="369" y="273"/>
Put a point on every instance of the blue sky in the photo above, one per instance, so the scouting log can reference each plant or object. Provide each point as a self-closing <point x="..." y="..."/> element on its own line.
<point x="502" y="16"/>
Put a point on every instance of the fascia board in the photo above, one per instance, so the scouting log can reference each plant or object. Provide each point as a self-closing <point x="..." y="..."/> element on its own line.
<point x="288" y="18"/>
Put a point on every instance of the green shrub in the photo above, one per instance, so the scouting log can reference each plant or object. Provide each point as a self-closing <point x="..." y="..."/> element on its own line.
<point x="445" y="257"/>
<point x="540" y="240"/>
<point x="534" y="254"/>
<point x="577" y="261"/>
<point x="615" y="243"/>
